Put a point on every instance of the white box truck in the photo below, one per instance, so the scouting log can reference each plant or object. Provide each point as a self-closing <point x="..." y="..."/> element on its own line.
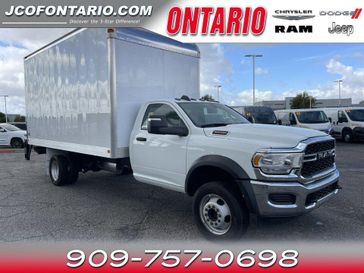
<point x="101" y="99"/>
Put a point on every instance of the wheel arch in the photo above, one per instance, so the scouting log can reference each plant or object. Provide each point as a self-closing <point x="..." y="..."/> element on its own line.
<point x="220" y="168"/>
<point x="16" y="137"/>
<point x="345" y="129"/>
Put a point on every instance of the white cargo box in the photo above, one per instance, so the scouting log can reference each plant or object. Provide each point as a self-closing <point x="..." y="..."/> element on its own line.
<point x="83" y="91"/>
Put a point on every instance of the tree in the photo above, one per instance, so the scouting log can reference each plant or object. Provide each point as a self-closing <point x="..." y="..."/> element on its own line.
<point x="303" y="100"/>
<point x="2" y="117"/>
<point x="19" y="118"/>
<point x="207" y="97"/>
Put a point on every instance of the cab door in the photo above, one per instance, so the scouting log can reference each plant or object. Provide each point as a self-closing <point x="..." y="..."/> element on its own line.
<point x="292" y="119"/>
<point x="342" y="122"/>
<point x="160" y="158"/>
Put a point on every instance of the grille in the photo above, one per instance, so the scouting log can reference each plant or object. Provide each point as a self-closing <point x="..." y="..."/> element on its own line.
<point x="314" y="167"/>
<point x="317" y="166"/>
<point x="320" y="147"/>
<point x="317" y="195"/>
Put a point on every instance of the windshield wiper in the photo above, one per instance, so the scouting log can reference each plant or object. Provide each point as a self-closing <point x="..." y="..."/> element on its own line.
<point x="214" y="125"/>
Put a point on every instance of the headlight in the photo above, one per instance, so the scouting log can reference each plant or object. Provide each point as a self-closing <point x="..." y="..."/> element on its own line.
<point x="277" y="163"/>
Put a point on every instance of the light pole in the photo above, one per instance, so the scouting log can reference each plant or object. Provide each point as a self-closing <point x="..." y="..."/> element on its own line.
<point x="218" y="86"/>
<point x="339" y="82"/>
<point x="6" y="112"/>
<point x="253" y="56"/>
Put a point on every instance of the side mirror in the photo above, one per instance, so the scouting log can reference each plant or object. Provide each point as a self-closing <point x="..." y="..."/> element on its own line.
<point x="279" y="122"/>
<point x="157" y="124"/>
<point x="2" y="130"/>
<point x="330" y="119"/>
<point x="250" y="119"/>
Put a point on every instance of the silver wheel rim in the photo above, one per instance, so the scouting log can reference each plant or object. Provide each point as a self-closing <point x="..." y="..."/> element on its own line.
<point x="347" y="137"/>
<point x="55" y="170"/>
<point x="215" y="214"/>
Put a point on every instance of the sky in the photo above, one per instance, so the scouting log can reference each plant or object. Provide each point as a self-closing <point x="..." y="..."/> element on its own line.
<point x="284" y="70"/>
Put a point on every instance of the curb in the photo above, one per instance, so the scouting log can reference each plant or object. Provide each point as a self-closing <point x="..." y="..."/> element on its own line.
<point x="8" y="151"/>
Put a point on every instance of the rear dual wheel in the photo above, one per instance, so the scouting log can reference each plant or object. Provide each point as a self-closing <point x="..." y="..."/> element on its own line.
<point x="62" y="171"/>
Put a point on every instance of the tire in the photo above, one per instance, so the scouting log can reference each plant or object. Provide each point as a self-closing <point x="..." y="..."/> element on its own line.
<point x="16" y="143"/>
<point x="347" y="136"/>
<point x="220" y="213"/>
<point x="59" y="170"/>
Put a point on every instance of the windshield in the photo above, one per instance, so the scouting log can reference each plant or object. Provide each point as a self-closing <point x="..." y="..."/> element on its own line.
<point x="207" y="114"/>
<point x="312" y="117"/>
<point x="10" y="127"/>
<point x="264" y="115"/>
<point x="356" y="115"/>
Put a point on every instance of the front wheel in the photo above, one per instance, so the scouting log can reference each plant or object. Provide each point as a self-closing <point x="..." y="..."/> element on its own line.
<point x="219" y="212"/>
<point x="347" y="136"/>
<point x="16" y="143"/>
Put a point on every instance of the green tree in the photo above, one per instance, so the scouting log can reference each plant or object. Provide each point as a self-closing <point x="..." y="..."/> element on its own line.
<point x="303" y="100"/>
<point x="2" y="117"/>
<point x="19" y="118"/>
<point x="207" y="97"/>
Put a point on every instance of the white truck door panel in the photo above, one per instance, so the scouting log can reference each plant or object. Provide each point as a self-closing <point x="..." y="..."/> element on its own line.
<point x="159" y="159"/>
<point x="340" y="125"/>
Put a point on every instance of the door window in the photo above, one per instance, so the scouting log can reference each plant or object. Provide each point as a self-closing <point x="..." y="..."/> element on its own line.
<point x="172" y="118"/>
<point x="342" y="117"/>
<point x="292" y="119"/>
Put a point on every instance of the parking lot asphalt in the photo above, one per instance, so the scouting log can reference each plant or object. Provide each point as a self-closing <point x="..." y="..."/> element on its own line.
<point x="102" y="206"/>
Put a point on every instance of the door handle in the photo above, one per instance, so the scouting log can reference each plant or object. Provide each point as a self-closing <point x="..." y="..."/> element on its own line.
<point x="141" y="139"/>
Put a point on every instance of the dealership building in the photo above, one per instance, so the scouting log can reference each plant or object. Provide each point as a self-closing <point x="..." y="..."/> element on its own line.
<point x="320" y="103"/>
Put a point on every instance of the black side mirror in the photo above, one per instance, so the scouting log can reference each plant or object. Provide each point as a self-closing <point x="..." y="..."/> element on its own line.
<point x="279" y="122"/>
<point x="157" y="124"/>
<point x="2" y="130"/>
<point x="250" y="119"/>
<point x="330" y="119"/>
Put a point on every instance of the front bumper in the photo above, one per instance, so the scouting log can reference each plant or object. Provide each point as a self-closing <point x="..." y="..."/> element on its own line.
<point x="279" y="199"/>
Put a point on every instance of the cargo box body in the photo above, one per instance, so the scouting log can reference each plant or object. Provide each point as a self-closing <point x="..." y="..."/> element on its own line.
<point x="84" y="90"/>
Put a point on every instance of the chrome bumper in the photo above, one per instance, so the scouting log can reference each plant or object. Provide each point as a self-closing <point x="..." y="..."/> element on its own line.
<point x="323" y="189"/>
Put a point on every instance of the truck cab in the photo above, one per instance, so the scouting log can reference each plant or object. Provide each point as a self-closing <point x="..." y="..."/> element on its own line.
<point x="213" y="153"/>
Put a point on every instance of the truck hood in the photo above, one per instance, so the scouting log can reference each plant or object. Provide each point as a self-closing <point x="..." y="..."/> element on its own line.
<point x="273" y="136"/>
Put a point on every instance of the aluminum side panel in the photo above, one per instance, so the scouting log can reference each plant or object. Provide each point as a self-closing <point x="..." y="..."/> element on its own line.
<point x="145" y="73"/>
<point x="68" y="94"/>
